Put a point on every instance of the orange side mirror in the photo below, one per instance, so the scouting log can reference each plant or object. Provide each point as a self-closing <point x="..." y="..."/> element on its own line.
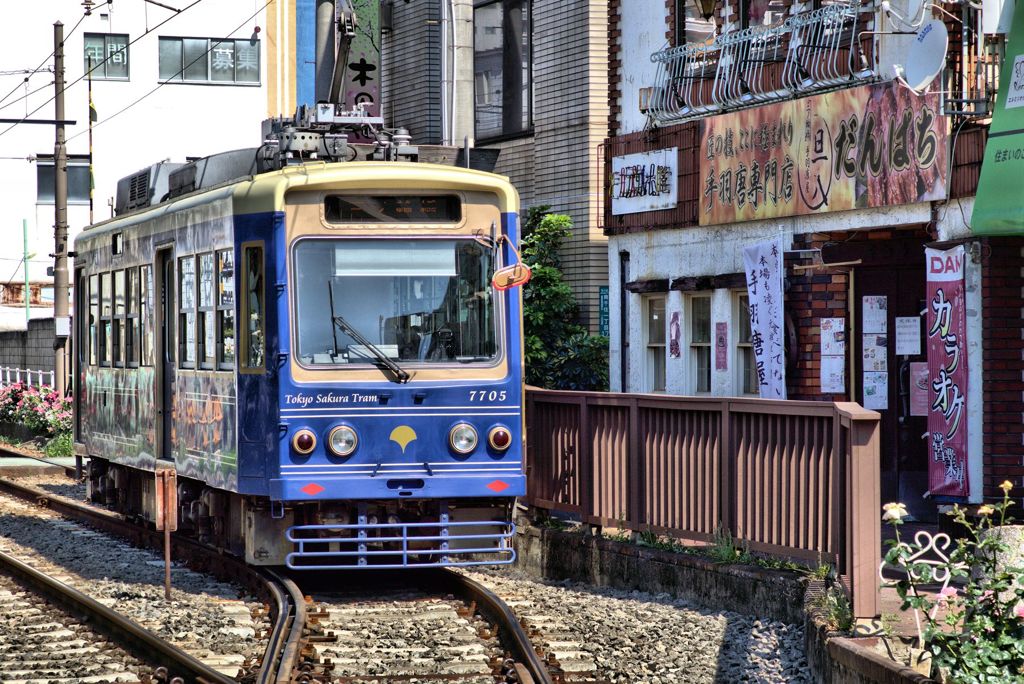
<point x="511" y="276"/>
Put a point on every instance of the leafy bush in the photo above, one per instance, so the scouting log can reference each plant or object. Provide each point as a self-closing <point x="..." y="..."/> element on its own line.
<point x="42" y="410"/>
<point x="560" y="353"/>
<point x="60" y="446"/>
<point x="974" y="631"/>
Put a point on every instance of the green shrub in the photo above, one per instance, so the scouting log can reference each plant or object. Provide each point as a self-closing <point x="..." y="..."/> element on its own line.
<point x="60" y="446"/>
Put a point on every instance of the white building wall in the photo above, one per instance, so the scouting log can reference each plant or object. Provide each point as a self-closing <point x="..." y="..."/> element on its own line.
<point x="642" y="25"/>
<point x="709" y="251"/>
<point x="174" y="121"/>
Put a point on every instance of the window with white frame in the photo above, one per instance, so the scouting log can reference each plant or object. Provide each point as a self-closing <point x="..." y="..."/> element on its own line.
<point x="210" y="60"/>
<point x="106" y="55"/>
<point x="700" y="343"/>
<point x="654" y="333"/>
<point x="746" y="365"/>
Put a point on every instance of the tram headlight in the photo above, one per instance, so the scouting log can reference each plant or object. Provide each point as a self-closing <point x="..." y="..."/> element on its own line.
<point x="342" y="440"/>
<point x="463" y="438"/>
<point x="499" y="438"/>
<point x="304" y="441"/>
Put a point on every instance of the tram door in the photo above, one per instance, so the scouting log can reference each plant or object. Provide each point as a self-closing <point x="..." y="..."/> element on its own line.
<point x="165" y="351"/>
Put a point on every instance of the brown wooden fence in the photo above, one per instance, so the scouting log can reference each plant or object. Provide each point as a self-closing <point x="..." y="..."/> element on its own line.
<point x="793" y="478"/>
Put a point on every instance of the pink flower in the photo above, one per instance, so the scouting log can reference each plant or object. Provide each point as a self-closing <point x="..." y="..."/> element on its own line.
<point x="946" y="594"/>
<point x="1018" y="611"/>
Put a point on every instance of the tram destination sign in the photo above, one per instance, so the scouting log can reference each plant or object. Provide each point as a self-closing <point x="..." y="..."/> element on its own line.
<point x="646" y="181"/>
<point x="871" y="146"/>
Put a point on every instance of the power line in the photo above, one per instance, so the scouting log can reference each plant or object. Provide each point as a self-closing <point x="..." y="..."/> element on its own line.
<point x="26" y="95"/>
<point x="46" y="59"/>
<point x="105" y="59"/>
<point x="160" y="85"/>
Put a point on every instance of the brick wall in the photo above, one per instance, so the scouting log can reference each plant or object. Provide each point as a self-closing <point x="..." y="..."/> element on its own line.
<point x="1003" y="367"/>
<point x="32" y="349"/>
<point x="412" y="71"/>
<point x="813" y="294"/>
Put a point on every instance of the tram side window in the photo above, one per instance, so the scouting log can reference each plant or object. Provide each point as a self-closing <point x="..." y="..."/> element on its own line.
<point x="207" y="327"/>
<point x="105" y="320"/>
<point x="146" y="332"/>
<point x="253" y="308"/>
<point x="119" y="318"/>
<point x="131" y="344"/>
<point x="187" y="311"/>
<point x="225" y="309"/>
<point x="94" y="318"/>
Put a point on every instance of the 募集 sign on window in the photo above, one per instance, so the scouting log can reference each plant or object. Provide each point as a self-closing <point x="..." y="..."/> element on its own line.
<point x="645" y="181"/>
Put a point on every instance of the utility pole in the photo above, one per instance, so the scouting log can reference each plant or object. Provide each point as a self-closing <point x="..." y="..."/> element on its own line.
<point x="61" y="295"/>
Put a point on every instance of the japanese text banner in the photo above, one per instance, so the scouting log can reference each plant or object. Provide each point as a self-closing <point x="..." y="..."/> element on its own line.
<point x="762" y="264"/>
<point x="947" y="373"/>
<point x="871" y="146"/>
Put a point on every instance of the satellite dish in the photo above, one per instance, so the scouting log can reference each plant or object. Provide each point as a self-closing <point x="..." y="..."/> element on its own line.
<point x="924" y="57"/>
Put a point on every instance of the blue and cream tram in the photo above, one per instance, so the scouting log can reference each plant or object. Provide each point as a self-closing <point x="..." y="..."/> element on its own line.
<point x="322" y="355"/>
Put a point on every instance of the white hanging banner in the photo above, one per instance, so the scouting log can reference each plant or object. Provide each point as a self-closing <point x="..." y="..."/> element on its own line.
<point x="763" y="266"/>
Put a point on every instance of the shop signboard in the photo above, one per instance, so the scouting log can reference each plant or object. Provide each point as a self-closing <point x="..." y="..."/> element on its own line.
<point x="871" y="146"/>
<point x="947" y="373"/>
<point x="645" y="181"/>
<point x="997" y="206"/>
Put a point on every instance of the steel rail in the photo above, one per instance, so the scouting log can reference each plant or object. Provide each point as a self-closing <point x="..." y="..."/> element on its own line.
<point x="282" y="653"/>
<point x="510" y="633"/>
<point x="136" y="639"/>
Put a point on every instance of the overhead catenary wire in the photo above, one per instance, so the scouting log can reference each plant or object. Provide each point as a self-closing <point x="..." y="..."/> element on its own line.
<point x="101" y="63"/>
<point x="45" y="60"/>
<point x="213" y="45"/>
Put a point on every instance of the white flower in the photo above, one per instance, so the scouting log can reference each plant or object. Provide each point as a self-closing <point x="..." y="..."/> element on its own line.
<point x="894" y="512"/>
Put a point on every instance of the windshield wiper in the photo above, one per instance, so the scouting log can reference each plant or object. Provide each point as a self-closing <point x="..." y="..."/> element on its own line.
<point x="384" y="359"/>
<point x="346" y="327"/>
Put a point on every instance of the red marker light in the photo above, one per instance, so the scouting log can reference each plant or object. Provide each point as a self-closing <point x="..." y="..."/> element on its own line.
<point x="499" y="438"/>
<point x="304" y="442"/>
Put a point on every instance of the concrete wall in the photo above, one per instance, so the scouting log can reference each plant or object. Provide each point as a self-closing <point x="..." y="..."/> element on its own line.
<point x="30" y="349"/>
<point x="644" y="24"/>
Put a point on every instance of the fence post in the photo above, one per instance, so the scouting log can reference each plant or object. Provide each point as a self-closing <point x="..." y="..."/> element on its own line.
<point x="635" y="489"/>
<point x="727" y="487"/>
<point x="864" y="544"/>
<point x="586" y="455"/>
<point x="51" y="378"/>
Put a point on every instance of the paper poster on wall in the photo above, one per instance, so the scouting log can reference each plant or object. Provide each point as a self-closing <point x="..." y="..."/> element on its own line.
<point x="875" y="314"/>
<point x="874" y="353"/>
<point x="876" y="391"/>
<point x="721" y="346"/>
<point x="673" y="335"/>
<point x="919" y="400"/>
<point x="833" y="374"/>
<point x="908" y="335"/>
<point x="833" y="336"/>
<point x="763" y="266"/>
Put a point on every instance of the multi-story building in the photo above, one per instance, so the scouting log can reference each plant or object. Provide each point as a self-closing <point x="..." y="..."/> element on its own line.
<point x="524" y="79"/>
<point x="743" y="122"/>
<point x="165" y="83"/>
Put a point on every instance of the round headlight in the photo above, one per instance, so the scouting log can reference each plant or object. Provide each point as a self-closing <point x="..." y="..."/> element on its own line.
<point x="304" y="442"/>
<point x="463" y="438"/>
<point x="342" y="440"/>
<point x="499" y="438"/>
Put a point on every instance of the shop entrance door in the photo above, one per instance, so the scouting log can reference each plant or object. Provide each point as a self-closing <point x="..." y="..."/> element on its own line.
<point x="889" y="285"/>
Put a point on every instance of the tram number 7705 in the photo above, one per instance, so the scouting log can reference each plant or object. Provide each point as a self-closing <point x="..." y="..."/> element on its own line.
<point x="484" y="395"/>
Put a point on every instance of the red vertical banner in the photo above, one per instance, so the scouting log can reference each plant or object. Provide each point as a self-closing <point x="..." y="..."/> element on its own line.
<point x="947" y="373"/>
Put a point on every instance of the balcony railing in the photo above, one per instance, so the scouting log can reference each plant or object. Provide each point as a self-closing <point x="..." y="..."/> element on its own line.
<point x="810" y="51"/>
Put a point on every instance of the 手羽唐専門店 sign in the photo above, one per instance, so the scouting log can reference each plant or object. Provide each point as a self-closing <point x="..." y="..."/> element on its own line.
<point x="872" y="146"/>
<point x="645" y="181"/>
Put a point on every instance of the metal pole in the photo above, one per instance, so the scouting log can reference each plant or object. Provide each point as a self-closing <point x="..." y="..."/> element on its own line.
<point x="60" y="229"/>
<point x="24" y="263"/>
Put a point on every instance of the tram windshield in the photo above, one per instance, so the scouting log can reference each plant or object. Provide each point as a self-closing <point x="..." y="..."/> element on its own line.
<point x="414" y="302"/>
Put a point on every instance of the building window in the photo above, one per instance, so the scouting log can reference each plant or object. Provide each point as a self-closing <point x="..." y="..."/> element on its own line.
<point x="691" y="27"/>
<point x="654" y="331"/>
<point x="187" y="311"/>
<point x="78" y="179"/>
<point x="226" y="309"/>
<point x="106" y="55"/>
<point x="761" y="12"/>
<point x="501" y="67"/>
<point x="210" y="60"/>
<point x="253" y="346"/>
<point x="746" y="365"/>
<point x="700" y="343"/>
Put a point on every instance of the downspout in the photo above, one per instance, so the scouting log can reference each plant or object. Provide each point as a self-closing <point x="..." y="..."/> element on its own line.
<point x="446" y="133"/>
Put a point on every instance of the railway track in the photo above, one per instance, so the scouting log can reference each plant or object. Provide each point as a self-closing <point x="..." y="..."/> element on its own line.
<point x="454" y="628"/>
<point x="278" y="618"/>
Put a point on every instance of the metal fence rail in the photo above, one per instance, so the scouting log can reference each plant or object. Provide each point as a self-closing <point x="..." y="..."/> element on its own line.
<point x="797" y="479"/>
<point x="808" y="52"/>
<point x="37" y="378"/>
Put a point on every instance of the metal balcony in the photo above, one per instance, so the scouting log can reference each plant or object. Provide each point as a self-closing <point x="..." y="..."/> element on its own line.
<point x="808" y="52"/>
